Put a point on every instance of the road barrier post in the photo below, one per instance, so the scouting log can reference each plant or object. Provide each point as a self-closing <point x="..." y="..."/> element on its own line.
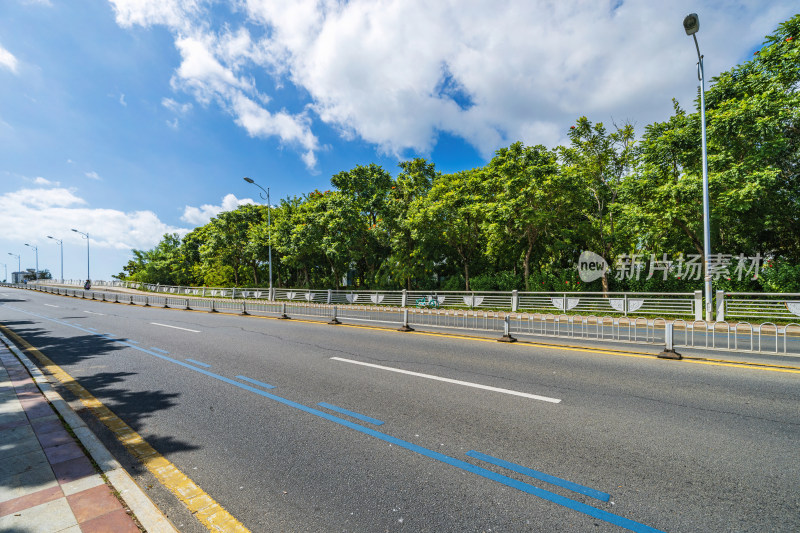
<point x="283" y="316"/>
<point x="146" y="301"/>
<point x="334" y="320"/>
<point x="213" y="309"/>
<point x="698" y="305"/>
<point x="506" y="331"/>
<point x="720" y="299"/>
<point x="244" y="309"/>
<point x="405" y="326"/>
<point x="404" y="299"/>
<point x="187" y="305"/>
<point x="669" y="347"/>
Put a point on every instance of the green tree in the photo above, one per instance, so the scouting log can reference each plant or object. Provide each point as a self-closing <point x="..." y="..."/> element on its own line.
<point x="451" y="216"/>
<point x="227" y="241"/>
<point x="362" y="200"/>
<point x="409" y="261"/>
<point x="527" y="197"/>
<point x="598" y="161"/>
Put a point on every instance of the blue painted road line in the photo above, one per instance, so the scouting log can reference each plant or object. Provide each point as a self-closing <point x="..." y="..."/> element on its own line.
<point x="204" y="365"/>
<point x="580" y="507"/>
<point x="256" y="382"/>
<point x="363" y="418"/>
<point x="159" y="350"/>
<point x="541" y="476"/>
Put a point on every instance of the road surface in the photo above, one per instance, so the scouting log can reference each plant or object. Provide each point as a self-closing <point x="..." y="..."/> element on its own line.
<point x="297" y="425"/>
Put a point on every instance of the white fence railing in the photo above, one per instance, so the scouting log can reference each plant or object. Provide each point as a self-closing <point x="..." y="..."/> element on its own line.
<point x="729" y="305"/>
<point x="766" y="338"/>
<point x="765" y="305"/>
<point x="689" y="305"/>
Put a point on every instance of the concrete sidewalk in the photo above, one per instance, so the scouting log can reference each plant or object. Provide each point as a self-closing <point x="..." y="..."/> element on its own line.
<point x="47" y="481"/>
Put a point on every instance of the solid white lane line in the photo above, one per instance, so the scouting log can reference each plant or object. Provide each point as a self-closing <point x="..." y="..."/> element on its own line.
<point x="174" y="327"/>
<point x="50" y="305"/>
<point x="93" y="313"/>
<point x="448" y="380"/>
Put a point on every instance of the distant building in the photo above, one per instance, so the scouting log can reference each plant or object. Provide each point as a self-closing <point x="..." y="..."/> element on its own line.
<point x="17" y="277"/>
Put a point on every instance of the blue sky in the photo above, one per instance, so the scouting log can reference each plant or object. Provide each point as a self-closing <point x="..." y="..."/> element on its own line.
<point x="127" y="119"/>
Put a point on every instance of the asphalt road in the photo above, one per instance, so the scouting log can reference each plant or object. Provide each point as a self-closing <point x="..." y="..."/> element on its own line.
<point x="652" y="444"/>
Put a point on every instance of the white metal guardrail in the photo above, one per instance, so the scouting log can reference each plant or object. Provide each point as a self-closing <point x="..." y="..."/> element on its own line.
<point x="765" y="305"/>
<point x="687" y="305"/>
<point x="768" y="337"/>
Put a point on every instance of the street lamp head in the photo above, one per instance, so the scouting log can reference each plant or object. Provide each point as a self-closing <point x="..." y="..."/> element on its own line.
<point x="76" y="231"/>
<point x="248" y="180"/>
<point x="691" y="23"/>
<point x="50" y="237"/>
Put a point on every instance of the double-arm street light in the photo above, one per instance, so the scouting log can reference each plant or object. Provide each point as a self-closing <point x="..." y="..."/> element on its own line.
<point x="60" y="243"/>
<point x="269" y="227"/>
<point x="691" y="24"/>
<point x="19" y="264"/>
<point x="85" y="236"/>
<point x="35" y="249"/>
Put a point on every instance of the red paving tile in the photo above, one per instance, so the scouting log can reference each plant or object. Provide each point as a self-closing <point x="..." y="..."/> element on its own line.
<point x="46" y="426"/>
<point x="63" y="452"/>
<point x="39" y="411"/>
<point x="32" y="402"/>
<point x="26" y="393"/>
<point x="73" y="470"/>
<point x="91" y="503"/>
<point x="115" y="522"/>
<point x="54" y="438"/>
<point x="31" y="500"/>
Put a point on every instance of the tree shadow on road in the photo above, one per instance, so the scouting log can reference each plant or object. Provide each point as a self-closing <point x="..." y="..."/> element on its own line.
<point x="77" y="355"/>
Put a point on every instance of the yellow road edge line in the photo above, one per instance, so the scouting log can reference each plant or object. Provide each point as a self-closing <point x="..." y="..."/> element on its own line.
<point x="212" y="515"/>
<point x="569" y="348"/>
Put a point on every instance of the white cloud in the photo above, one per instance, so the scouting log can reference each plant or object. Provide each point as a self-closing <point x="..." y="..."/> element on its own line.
<point x="93" y="176"/>
<point x="202" y="73"/>
<point x="45" y="182"/>
<point x="122" y="101"/>
<point x="7" y="60"/>
<point x="29" y="214"/>
<point x="398" y="73"/>
<point x="201" y="215"/>
<point x="172" y="13"/>
<point x="175" y="107"/>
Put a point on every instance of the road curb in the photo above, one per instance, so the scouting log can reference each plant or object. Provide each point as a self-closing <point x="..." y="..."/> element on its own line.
<point x="146" y="512"/>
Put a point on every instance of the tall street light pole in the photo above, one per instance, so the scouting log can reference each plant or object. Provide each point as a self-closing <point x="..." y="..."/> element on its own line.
<point x="60" y="243"/>
<point x="35" y="249"/>
<point x="269" y="227"/>
<point x="5" y="277"/>
<point x="691" y="24"/>
<point x="85" y="236"/>
<point x="19" y="263"/>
